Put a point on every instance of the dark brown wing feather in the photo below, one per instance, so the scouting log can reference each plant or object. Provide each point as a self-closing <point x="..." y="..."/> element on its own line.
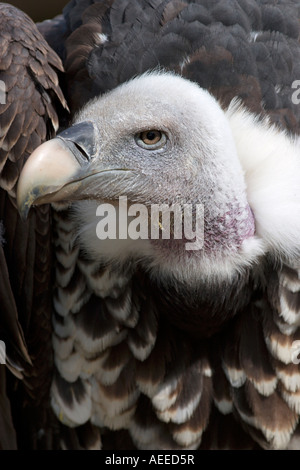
<point x="247" y="49"/>
<point x="28" y="69"/>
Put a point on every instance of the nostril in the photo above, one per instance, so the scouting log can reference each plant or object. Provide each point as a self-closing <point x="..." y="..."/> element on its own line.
<point x="81" y="140"/>
<point x="77" y="150"/>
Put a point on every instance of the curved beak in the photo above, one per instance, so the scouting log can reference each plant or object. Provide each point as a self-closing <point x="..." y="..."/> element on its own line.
<point x="63" y="169"/>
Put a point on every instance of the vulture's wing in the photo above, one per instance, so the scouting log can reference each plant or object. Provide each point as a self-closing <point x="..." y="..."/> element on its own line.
<point x="30" y="98"/>
<point x="245" y="48"/>
<point x="154" y="354"/>
<point x="55" y="31"/>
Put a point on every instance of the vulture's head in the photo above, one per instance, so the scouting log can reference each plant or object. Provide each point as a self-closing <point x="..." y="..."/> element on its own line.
<point x="160" y="139"/>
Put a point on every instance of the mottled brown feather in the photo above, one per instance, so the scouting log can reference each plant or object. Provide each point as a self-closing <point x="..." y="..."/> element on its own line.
<point x="29" y="70"/>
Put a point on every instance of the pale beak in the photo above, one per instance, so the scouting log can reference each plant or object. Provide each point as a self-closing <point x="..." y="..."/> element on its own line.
<point x="65" y="169"/>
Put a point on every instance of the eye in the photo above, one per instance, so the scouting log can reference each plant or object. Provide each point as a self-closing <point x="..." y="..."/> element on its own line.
<point x="151" y="140"/>
<point x="150" y="137"/>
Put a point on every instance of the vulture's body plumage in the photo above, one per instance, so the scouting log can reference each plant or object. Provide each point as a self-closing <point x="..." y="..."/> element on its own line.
<point x="145" y="342"/>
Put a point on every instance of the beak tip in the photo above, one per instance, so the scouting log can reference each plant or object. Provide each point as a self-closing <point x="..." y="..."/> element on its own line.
<point x="49" y="168"/>
<point x="23" y="208"/>
<point x="26" y="197"/>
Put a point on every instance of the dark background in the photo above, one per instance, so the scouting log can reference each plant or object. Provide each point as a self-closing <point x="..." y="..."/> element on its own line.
<point x="40" y="10"/>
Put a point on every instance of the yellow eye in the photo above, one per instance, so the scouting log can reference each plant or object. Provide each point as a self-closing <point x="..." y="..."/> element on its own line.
<point x="151" y="140"/>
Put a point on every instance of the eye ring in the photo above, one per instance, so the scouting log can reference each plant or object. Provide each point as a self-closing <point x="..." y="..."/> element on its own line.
<point x="151" y="139"/>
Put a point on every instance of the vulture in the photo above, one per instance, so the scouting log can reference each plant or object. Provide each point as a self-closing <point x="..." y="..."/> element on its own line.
<point x="150" y="226"/>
